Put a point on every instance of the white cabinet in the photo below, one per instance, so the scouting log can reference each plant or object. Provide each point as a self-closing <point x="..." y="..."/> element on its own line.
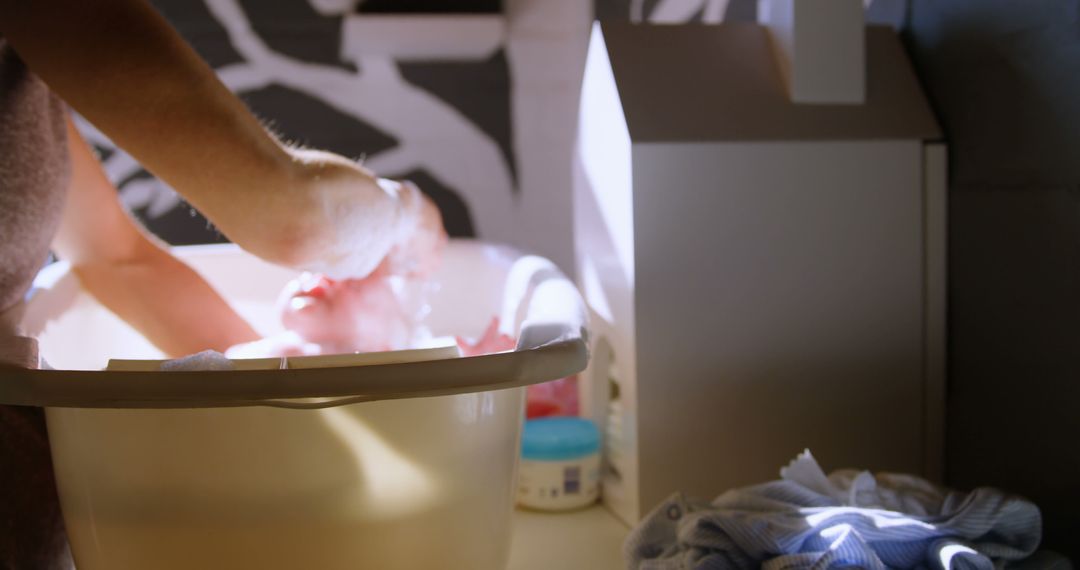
<point x="764" y="276"/>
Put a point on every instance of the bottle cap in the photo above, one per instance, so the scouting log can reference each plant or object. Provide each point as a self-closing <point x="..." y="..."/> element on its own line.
<point x="559" y="438"/>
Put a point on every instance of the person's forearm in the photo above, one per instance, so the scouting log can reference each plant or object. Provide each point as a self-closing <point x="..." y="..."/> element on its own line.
<point x="133" y="275"/>
<point x="119" y="64"/>
<point x="167" y="302"/>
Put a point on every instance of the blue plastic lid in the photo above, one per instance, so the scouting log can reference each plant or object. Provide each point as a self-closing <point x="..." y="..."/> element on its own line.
<point x="558" y="439"/>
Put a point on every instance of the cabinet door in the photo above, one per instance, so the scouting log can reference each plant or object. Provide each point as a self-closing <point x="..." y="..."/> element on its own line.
<point x="779" y="306"/>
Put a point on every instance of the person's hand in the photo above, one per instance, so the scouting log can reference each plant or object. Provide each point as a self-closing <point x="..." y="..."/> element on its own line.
<point x="306" y="209"/>
<point x="343" y="221"/>
<point x="419" y="254"/>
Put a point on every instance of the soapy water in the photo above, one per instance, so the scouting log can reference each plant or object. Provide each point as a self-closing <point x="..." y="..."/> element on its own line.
<point x="415" y="298"/>
<point x="321" y="315"/>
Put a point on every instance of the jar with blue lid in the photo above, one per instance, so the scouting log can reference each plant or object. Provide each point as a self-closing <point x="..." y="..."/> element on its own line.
<point x="560" y="464"/>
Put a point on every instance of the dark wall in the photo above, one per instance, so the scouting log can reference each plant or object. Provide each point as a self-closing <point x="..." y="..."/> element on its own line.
<point x="1004" y="77"/>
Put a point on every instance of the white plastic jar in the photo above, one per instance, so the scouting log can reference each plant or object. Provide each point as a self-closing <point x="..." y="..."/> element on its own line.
<point x="560" y="464"/>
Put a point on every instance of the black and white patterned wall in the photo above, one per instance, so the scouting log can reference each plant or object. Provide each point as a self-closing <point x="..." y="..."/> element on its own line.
<point x="474" y="100"/>
<point x="715" y="11"/>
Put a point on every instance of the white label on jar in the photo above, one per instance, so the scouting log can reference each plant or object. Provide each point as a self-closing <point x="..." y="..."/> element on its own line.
<point x="558" y="485"/>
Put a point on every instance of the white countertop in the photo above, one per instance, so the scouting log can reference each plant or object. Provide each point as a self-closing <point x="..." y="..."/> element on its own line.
<point x="589" y="539"/>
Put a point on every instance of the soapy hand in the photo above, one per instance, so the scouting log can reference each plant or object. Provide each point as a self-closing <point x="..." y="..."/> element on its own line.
<point x="419" y="255"/>
<point x="340" y="220"/>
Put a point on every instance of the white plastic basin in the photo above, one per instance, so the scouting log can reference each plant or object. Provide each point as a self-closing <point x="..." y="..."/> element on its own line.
<point x="185" y="470"/>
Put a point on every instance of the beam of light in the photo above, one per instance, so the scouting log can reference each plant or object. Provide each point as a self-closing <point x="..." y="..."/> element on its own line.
<point x="605" y="148"/>
<point x="880" y="518"/>
<point x="840" y="531"/>
<point x="594" y="290"/>
<point x="392" y="485"/>
<point x="949" y="552"/>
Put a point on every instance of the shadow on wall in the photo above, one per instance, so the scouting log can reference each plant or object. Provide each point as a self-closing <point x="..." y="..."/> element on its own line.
<point x="1003" y="77"/>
